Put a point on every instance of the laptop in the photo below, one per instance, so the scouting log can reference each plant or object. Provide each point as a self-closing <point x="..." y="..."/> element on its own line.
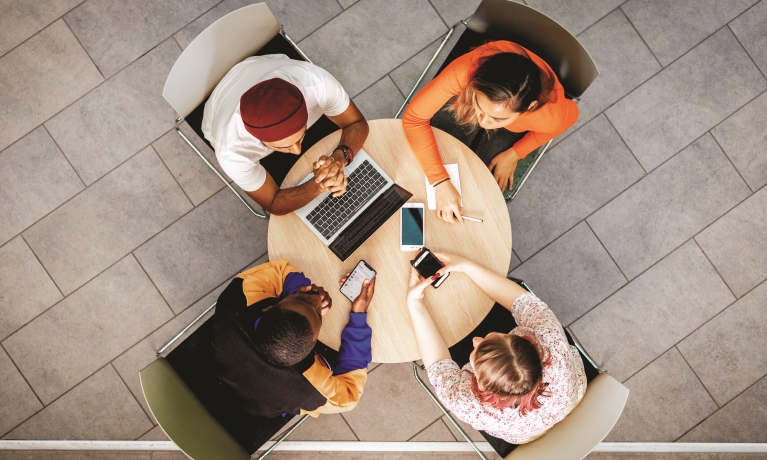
<point x="343" y="223"/>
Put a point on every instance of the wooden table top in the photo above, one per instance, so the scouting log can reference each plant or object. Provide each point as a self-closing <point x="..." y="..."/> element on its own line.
<point x="458" y="305"/>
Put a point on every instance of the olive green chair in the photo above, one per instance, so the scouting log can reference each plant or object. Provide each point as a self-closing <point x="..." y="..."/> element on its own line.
<point x="519" y="23"/>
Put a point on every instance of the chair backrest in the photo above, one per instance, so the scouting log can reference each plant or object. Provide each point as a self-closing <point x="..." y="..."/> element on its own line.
<point x="519" y="23"/>
<point x="183" y="418"/>
<point x="214" y="52"/>
<point x="583" y="428"/>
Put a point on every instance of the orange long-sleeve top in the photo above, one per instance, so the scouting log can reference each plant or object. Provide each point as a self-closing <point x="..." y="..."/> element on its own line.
<point x="542" y="125"/>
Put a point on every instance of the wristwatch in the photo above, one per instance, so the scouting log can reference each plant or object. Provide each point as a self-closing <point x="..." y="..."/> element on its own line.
<point x="348" y="153"/>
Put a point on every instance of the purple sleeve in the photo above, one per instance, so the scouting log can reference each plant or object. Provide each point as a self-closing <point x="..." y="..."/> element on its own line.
<point x="355" y="352"/>
<point x="292" y="282"/>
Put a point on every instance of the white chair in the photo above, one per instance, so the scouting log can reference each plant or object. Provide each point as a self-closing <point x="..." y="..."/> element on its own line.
<point x="206" y="60"/>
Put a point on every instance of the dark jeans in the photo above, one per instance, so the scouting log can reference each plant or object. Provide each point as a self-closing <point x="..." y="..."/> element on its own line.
<point x="486" y="144"/>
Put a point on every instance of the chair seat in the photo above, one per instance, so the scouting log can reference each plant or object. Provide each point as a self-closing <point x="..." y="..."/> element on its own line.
<point x="278" y="164"/>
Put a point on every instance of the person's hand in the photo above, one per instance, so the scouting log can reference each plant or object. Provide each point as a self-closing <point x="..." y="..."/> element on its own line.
<point x="503" y="166"/>
<point x="448" y="202"/>
<point x="326" y="302"/>
<point x="451" y="262"/>
<point x="362" y="302"/>
<point x="416" y="286"/>
<point x="329" y="174"/>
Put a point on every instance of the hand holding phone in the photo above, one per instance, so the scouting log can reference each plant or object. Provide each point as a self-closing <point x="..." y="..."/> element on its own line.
<point x="353" y="286"/>
<point x="428" y="265"/>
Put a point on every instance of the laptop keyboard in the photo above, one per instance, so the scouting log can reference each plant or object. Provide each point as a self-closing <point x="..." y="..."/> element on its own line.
<point x="333" y="212"/>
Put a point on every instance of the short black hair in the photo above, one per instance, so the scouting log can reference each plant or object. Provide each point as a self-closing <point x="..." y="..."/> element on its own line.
<point x="284" y="337"/>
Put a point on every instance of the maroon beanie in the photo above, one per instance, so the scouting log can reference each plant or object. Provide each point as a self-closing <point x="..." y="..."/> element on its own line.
<point x="273" y="110"/>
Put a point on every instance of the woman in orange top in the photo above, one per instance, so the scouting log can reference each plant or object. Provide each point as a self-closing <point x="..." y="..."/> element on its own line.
<point x="496" y="85"/>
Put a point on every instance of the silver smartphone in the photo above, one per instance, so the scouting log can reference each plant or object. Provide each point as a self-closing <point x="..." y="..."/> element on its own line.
<point x="411" y="234"/>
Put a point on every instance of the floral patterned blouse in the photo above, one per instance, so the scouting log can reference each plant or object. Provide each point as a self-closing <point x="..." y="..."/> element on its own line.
<point x="564" y="374"/>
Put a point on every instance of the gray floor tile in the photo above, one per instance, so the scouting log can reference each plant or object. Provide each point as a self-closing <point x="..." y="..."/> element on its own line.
<point x="119" y="118"/>
<point x="299" y="19"/>
<point x="21" y="20"/>
<point x="565" y="186"/>
<point x="665" y="400"/>
<point x="724" y="364"/>
<point x="686" y="99"/>
<point x="346" y="3"/>
<point x="672" y="27"/>
<point x="573" y="274"/>
<point x="623" y="59"/>
<point x="364" y="43"/>
<point x="108" y="220"/>
<point x="742" y="420"/>
<point x="193" y="175"/>
<point x="130" y="363"/>
<point x="736" y="245"/>
<point x="155" y="434"/>
<point x="203" y="249"/>
<point x="381" y="100"/>
<point x="750" y="30"/>
<point x="99" y="408"/>
<point x="653" y="312"/>
<point x="453" y="11"/>
<point x="515" y="262"/>
<point x="42" y="76"/>
<point x="25" y="288"/>
<point x="406" y="75"/>
<point x="436" y="432"/>
<point x="86" y="330"/>
<point x="575" y="16"/>
<point x="115" y="34"/>
<point x="19" y="402"/>
<point x="394" y="407"/>
<point x="34" y="180"/>
<point x="743" y="137"/>
<point x="324" y="428"/>
<point x="669" y="206"/>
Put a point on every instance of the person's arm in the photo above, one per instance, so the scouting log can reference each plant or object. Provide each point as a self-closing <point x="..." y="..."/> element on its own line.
<point x="554" y="118"/>
<point x="354" y="129"/>
<point x="283" y="201"/>
<point x="430" y="342"/>
<point x="500" y="289"/>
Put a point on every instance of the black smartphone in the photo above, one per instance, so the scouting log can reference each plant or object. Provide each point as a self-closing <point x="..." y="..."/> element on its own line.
<point x="428" y="265"/>
<point x="353" y="285"/>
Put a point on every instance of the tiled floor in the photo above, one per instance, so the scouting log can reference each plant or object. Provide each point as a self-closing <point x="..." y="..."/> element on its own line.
<point x="644" y="227"/>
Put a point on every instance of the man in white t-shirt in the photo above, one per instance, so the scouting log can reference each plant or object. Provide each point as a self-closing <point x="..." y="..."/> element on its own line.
<point x="266" y="104"/>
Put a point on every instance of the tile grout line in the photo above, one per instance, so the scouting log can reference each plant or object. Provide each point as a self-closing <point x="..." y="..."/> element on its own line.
<point x="18" y="369"/>
<point x="430" y="424"/>
<point x="127" y="388"/>
<point x="171" y="172"/>
<point x="167" y="304"/>
<point x="598" y="20"/>
<point x="83" y="48"/>
<point x="745" y="50"/>
<point x="648" y="46"/>
<point x="608" y="253"/>
<point x="714" y="266"/>
<point x="620" y="136"/>
<point x="727" y="118"/>
<point x="44" y="269"/>
<point x="676" y="347"/>
<point x="438" y="14"/>
<point x="147" y="431"/>
<point x="298" y="42"/>
<point x="60" y="151"/>
<point x="444" y="423"/>
<point x="347" y="424"/>
<point x="723" y="406"/>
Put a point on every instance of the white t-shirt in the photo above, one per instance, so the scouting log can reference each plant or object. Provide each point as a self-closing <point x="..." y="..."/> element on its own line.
<point x="237" y="151"/>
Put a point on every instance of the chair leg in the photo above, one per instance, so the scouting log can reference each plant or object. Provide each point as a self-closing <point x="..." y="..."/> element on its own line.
<point x="583" y="352"/>
<point x="530" y="170"/>
<point x="285" y="435"/>
<point x="449" y="417"/>
<point x="293" y="44"/>
<point x="423" y="74"/>
<point x="165" y="347"/>
<point x="183" y="136"/>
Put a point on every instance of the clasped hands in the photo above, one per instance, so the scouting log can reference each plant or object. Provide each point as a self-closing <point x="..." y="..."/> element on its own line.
<point x="329" y="174"/>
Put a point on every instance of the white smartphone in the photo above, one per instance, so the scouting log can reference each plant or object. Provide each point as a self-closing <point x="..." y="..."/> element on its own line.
<point x="353" y="285"/>
<point x="411" y="227"/>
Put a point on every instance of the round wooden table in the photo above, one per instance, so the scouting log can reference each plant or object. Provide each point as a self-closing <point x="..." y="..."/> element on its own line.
<point x="458" y="305"/>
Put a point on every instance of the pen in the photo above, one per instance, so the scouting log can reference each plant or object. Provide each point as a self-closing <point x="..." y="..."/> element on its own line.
<point x="474" y="219"/>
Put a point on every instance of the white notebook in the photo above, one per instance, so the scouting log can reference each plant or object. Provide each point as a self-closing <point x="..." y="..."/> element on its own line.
<point x="431" y="199"/>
